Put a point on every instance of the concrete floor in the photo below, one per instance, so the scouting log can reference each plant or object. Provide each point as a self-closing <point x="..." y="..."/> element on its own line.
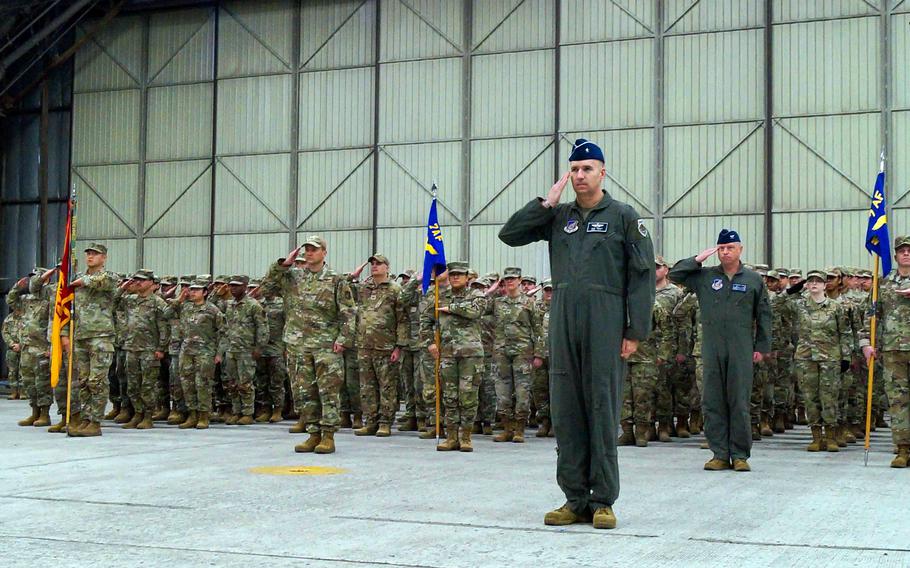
<point x="166" y="497"/>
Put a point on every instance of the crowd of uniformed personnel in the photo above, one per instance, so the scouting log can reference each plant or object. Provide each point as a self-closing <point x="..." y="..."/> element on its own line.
<point x="331" y="351"/>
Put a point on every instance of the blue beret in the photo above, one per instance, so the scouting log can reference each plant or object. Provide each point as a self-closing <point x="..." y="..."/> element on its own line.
<point x="728" y="236"/>
<point x="586" y="150"/>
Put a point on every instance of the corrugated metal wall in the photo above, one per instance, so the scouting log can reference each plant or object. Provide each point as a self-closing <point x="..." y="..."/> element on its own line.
<point x="216" y="138"/>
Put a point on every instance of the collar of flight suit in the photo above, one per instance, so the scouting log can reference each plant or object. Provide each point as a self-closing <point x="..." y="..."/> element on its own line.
<point x="720" y="270"/>
<point x="604" y="202"/>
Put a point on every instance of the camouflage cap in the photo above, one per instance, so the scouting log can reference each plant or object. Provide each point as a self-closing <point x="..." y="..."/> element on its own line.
<point x="773" y="274"/>
<point x="815" y="273"/>
<point x="493" y="276"/>
<point x="472" y="274"/>
<point x="834" y="271"/>
<point x="783" y="272"/>
<point x="168" y="280"/>
<point x="529" y="278"/>
<point x="143" y="274"/>
<point x="864" y="273"/>
<point x="239" y="280"/>
<point x="315" y="241"/>
<point x="762" y="269"/>
<point x="409" y="273"/>
<point x="206" y="277"/>
<point x="254" y="283"/>
<point x="480" y="283"/>
<point x="547" y="284"/>
<point x="187" y="279"/>
<point x="221" y="279"/>
<point x="901" y="241"/>
<point x="380" y="258"/>
<point x="659" y="261"/>
<point x="794" y="272"/>
<point x="199" y="283"/>
<point x="96" y="247"/>
<point x="848" y="271"/>
<point x="458" y="267"/>
<point x="511" y="272"/>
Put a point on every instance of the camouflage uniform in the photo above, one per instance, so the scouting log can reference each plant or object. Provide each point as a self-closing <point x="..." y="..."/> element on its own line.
<point x="351" y="402"/>
<point x="172" y="360"/>
<point x="12" y="324"/>
<point x="486" y="408"/>
<point x="515" y="342"/>
<point x="540" y="380"/>
<point x="646" y="380"/>
<point x="685" y="320"/>
<point x="893" y="346"/>
<point x="672" y="388"/>
<point x="382" y="327"/>
<point x="246" y="329"/>
<point x="783" y="324"/>
<point x="460" y="353"/>
<point x="425" y="389"/>
<point x="271" y="368"/>
<point x="147" y="334"/>
<point x="34" y="364"/>
<point x="853" y="379"/>
<point x="93" y="351"/>
<point x="320" y="312"/>
<point x="117" y="379"/>
<point x="200" y="327"/>
<point x="824" y="341"/>
<point x="410" y="358"/>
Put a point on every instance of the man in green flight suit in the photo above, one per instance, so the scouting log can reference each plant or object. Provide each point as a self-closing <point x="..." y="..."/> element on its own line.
<point x="736" y="323"/>
<point x="602" y="266"/>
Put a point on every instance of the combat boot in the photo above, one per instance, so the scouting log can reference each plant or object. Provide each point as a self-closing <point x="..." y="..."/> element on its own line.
<point x="663" y="431"/>
<point x="858" y="431"/>
<point x="203" y="422"/>
<point x="430" y="432"/>
<point x="245" y="420"/>
<point x="741" y="465"/>
<point x="327" y="445"/>
<point x="72" y="429"/>
<point x="627" y="438"/>
<point x="464" y="443"/>
<point x="367" y="430"/>
<point x="765" y="426"/>
<point x="60" y="427"/>
<point x="518" y="432"/>
<point x="839" y="436"/>
<point x="191" y="421"/>
<point x="451" y="441"/>
<point x="91" y="430"/>
<point x="357" y="423"/>
<point x="345" y="420"/>
<point x="507" y="433"/>
<point x="831" y="439"/>
<point x="44" y="418"/>
<point x="309" y="445"/>
<point x="641" y="435"/>
<point x="231" y="420"/>
<point x="265" y="412"/>
<point x="604" y="518"/>
<point x="816" y="444"/>
<point x="487" y="429"/>
<point x="565" y="516"/>
<point x="903" y="456"/>
<point x="276" y="415"/>
<point x="134" y="421"/>
<point x="409" y="425"/>
<point x="31" y="419"/>
<point x="11" y="395"/>
<point x="125" y="415"/>
<point x="161" y="413"/>
<point x="756" y="433"/>
<point x="217" y="417"/>
<point x="115" y="410"/>
<point x="682" y="426"/>
<point x="696" y="422"/>
<point x="652" y="433"/>
<point x="716" y="464"/>
<point x="147" y="422"/>
<point x="383" y="431"/>
<point x="848" y="434"/>
<point x="176" y="417"/>
<point x="801" y="416"/>
<point x="421" y="424"/>
<point x="779" y="425"/>
<point x="544" y="428"/>
<point x="298" y="428"/>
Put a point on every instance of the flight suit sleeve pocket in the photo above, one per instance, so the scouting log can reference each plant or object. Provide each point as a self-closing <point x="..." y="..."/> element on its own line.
<point x="640" y="259"/>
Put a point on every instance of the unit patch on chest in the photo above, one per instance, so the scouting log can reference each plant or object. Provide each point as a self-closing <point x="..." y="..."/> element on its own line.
<point x="571" y="226"/>
<point x="717" y="284"/>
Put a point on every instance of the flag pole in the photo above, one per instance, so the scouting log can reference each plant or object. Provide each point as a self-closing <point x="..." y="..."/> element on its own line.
<point x="437" y="338"/>
<point x="871" y="362"/>
<point x="72" y="328"/>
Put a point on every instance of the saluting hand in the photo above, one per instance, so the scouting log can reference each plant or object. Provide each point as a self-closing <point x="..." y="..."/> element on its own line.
<point x="705" y="254"/>
<point x="555" y="193"/>
<point x="289" y="259"/>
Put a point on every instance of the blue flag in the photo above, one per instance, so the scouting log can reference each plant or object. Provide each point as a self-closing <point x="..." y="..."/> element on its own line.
<point x="877" y="239"/>
<point x="434" y="255"/>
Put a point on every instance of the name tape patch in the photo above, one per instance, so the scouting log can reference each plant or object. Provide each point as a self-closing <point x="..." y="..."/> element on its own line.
<point x="739" y="287"/>
<point x="597" y="227"/>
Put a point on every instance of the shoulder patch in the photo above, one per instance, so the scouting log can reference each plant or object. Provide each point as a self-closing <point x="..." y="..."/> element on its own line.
<point x="642" y="230"/>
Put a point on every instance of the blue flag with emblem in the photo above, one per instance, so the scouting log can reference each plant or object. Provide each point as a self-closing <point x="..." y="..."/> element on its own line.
<point x="877" y="239"/>
<point x="434" y="256"/>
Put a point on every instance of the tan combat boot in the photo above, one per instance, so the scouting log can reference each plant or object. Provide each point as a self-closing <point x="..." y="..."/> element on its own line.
<point x="663" y="431"/>
<point x="831" y="439"/>
<point x="464" y="443"/>
<point x="816" y="444"/>
<point x="276" y="415"/>
<point x="848" y="435"/>
<point x="147" y="422"/>
<point x="367" y="430"/>
<point x="544" y="429"/>
<point x="180" y="417"/>
<point x="309" y="444"/>
<point x="696" y="422"/>
<point x="682" y="426"/>
<point x="604" y="518"/>
<point x="903" y="456"/>
<point x="421" y="424"/>
<point x="409" y="425"/>
<point x="779" y="425"/>
<point x="231" y="419"/>
<point x="92" y="429"/>
<point x="125" y="415"/>
<point x="518" y="434"/>
<point x="115" y="411"/>
<point x="191" y="421"/>
<point x="357" y="423"/>
<point x="203" y="421"/>
<point x="327" y="445"/>
<point x="172" y="418"/>
<point x="161" y="413"/>
<point x="44" y="418"/>
<point x="298" y="428"/>
<point x="31" y="419"/>
<point x="451" y="441"/>
<point x="75" y="424"/>
<point x="641" y="435"/>
<point x="487" y="429"/>
<point x="565" y="516"/>
<point x="716" y="464"/>
<point x="627" y="438"/>
<point x="134" y="421"/>
<point x="383" y="431"/>
<point x="507" y="433"/>
<point x="756" y="433"/>
<point x="245" y="420"/>
<point x="265" y="412"/>
<point x="217" y="417"/>
<point x="839" y="436"/>
<point x="741" y="465"/>
<point x="765" y="426"/>
<point x="60" y="427"/>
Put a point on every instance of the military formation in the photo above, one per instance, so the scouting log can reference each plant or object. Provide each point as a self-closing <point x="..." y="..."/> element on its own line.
<point x="331" y="351"/>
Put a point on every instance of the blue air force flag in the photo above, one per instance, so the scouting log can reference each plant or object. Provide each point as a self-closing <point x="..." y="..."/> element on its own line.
<point x="877" y="239"/>
<point x="434" y="256"/>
